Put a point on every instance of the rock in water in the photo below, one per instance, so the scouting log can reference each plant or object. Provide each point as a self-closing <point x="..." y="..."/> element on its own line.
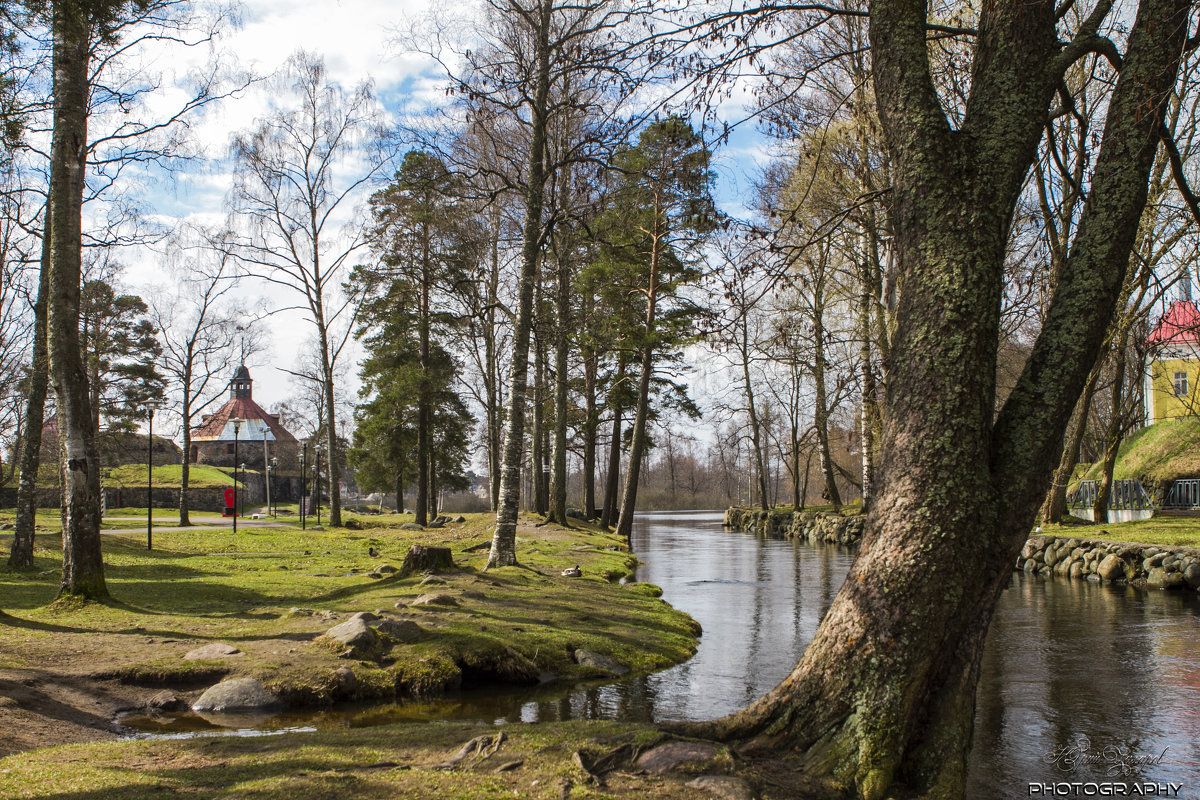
<point x="1111" y="568"/>
<point x="235" y="694"/>
<point x="587" y="658"/>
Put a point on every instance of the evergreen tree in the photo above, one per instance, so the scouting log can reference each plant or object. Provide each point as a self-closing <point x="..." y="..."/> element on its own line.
<point x="661" y="211"/>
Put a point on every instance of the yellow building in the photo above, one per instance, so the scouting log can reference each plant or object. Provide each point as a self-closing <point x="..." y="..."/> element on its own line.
<point x="1173" y="384"/>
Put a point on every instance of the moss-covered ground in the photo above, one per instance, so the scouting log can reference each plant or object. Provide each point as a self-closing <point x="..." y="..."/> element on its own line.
<point x="200" y="476"/>
<point x="396" y="762"/>
<point x="271" y="591"/>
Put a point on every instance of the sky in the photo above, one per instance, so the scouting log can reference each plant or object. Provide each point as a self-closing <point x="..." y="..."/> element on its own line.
<point x="358" y="40"/>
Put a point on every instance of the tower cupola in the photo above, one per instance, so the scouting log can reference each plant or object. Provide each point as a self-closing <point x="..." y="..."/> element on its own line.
<point x="240" y="386"/>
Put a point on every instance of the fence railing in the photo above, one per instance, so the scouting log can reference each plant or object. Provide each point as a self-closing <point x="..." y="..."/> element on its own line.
<point x="1126" y="493"/>
<point x="1184" y="493"/>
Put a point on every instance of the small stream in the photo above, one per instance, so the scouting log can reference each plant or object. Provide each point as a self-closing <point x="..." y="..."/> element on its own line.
<point x="1105" y="679"/>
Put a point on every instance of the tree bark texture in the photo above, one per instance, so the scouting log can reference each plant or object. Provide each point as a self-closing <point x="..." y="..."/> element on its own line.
<point x="504" y="539"/>
<point x="1055" y="507"/>
<point x="608" y="515"/>
<point x="83" y="566"/>
<point x="821" y="410"/>
<point x="21" y="554"/>
<point x="882" y="701"/>
<point x="558" y="474"/>
<point x="1116" y="426"/>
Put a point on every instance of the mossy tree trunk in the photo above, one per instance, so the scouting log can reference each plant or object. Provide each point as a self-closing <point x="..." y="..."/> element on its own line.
<point x="83" y="566"/>
<point x="882" y="701"/>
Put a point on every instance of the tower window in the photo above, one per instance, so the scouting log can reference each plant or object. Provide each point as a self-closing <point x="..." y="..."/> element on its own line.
<point x="1181" y="387"/>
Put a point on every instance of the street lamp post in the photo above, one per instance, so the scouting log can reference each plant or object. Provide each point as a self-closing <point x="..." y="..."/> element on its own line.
<point x="303" y="483"/>
<point x="237" y="426"/>
<point x="150" y="408"/>
<point x="317" y="484"/>
<point x="272" y="469"/>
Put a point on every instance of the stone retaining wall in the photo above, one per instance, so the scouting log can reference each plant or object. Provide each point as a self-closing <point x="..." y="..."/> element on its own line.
<point x="1141" y="565"/>
<point x="809" y="526"/>
<point x="1112" y="562"/>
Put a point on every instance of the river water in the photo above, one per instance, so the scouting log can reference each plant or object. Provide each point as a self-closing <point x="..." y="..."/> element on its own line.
<point x="1080" y="683"/>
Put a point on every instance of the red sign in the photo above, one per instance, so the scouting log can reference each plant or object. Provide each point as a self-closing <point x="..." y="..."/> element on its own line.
<point x="230" y="496"/>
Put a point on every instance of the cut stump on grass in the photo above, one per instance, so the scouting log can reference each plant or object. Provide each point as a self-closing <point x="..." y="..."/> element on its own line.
<point x="426" y="558"/>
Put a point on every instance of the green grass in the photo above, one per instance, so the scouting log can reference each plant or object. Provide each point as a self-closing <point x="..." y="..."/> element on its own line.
<point x="376" y="763"/>
<point x="202" y="586"/>
<point x="200" y="476"/>
<point x="1162" y="452"/>
<point x="1164" y="531"/>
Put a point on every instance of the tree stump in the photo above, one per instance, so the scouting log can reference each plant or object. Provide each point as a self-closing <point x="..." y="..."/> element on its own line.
<point x="421" y="558"/>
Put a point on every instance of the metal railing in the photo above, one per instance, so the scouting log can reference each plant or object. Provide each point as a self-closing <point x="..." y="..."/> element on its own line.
<point x="1126" y="493"/>
<point x="1183" y="493"/>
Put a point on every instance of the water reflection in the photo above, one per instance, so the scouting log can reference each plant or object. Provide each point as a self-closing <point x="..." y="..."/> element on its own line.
<point x="1064" y="660"/>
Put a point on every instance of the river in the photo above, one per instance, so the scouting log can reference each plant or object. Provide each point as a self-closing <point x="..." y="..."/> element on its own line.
<point x="1080" y="682"/>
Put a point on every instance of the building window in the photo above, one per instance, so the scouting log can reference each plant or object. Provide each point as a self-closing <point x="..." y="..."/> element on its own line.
<point x="1181" y="387"/>
<point x="229" y="449"/>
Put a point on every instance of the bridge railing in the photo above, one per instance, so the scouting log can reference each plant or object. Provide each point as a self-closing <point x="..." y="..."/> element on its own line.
<point x="1183" y="493"/>
<point x="1126" y="493"/>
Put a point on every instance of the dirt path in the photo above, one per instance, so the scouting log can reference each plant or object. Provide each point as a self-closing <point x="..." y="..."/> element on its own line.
<point x="40" y="708"/>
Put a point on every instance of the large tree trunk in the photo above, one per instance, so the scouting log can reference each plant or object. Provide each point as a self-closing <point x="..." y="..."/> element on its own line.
<point x="882" y="701"/>
<point x="83" y="566"/>
<point x="21" y="554"/>
<point x="504" y="539"/>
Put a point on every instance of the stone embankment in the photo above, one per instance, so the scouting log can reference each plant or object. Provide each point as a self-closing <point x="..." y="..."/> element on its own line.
<point x="809" y="526"/>
<point x="1112" y="562"/>
<point x="1141" y="565"/>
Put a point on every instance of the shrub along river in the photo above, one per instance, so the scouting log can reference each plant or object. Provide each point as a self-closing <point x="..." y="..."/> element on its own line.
<point x="1081" y="683"/>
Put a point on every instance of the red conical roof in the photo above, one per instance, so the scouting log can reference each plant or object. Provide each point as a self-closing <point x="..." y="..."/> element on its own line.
<point x="1180" y="325"/>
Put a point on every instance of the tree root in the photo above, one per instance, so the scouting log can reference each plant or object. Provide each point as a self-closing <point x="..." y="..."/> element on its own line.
<point x="478" y="749"/>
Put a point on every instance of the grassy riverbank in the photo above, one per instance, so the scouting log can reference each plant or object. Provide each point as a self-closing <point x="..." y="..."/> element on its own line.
<point x="1165" y="531"/>
<point x="270" y="591"/>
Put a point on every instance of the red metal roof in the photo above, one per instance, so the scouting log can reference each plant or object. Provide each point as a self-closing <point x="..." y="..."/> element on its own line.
<point x="1180" y="325"/>
<point x="244" y="408"/>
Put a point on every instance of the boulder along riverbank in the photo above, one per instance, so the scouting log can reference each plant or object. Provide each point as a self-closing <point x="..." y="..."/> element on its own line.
<point x="1135" y="564"/>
